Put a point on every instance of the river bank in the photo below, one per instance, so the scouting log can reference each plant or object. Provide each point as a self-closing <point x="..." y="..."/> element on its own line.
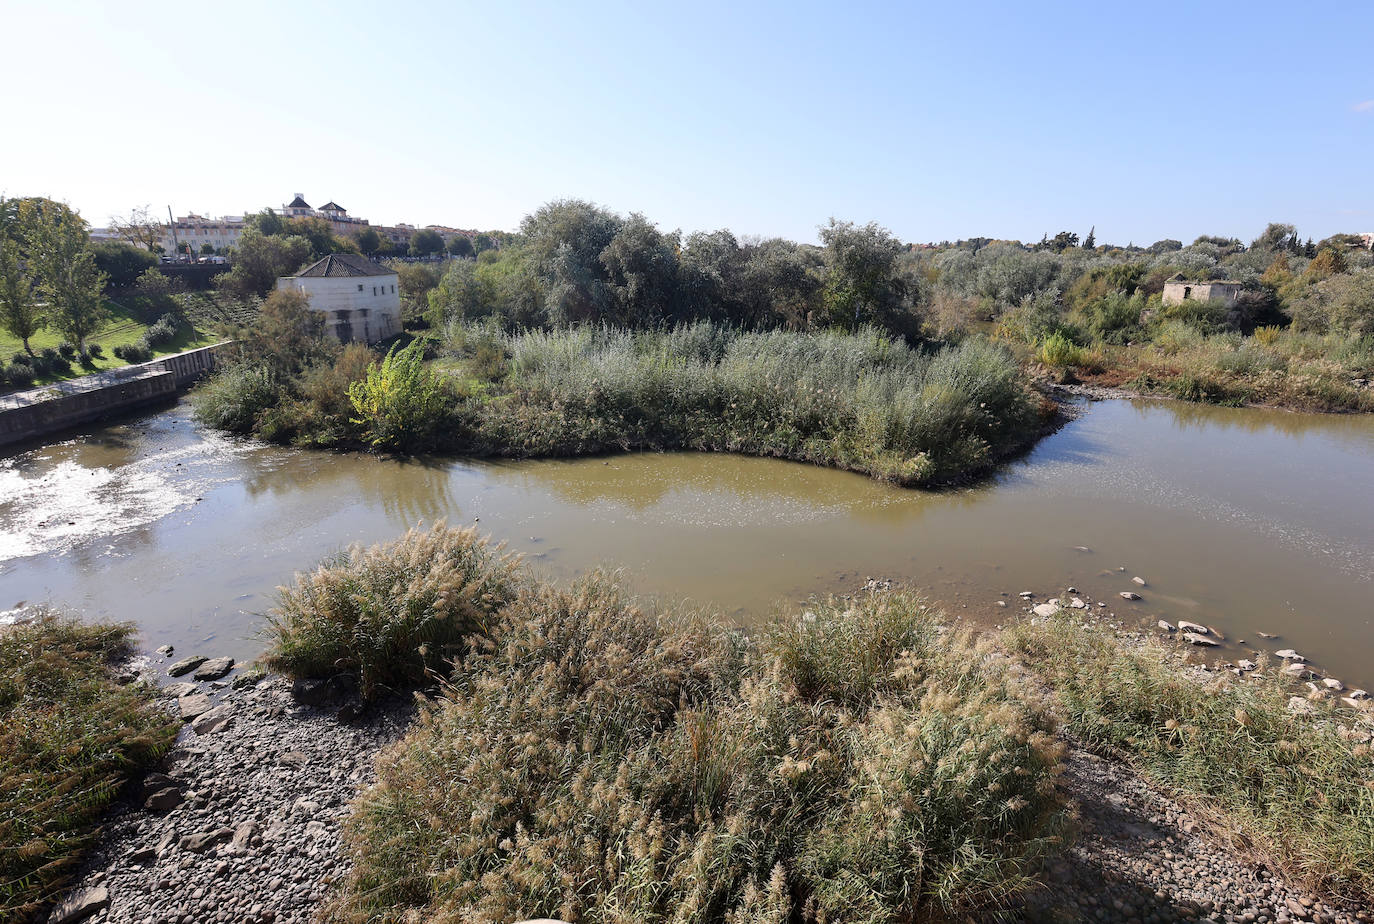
<point x="245" y="815"/>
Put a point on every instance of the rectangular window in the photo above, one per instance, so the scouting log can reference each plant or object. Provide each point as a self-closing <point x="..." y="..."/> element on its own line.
<point x="360" y="287"/>
<point x="393" y="290"/>
<point x="374" y="291"/>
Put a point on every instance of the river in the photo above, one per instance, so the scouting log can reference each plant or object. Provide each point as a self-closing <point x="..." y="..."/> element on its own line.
<point x="1242" y="519"/>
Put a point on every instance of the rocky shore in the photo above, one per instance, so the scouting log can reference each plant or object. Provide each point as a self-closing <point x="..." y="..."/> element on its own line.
<point x="242" y="823"/>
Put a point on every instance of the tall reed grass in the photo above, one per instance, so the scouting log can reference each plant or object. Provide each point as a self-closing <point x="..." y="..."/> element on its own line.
<point x="1299" y="788"/>
<point x="594" y="763"/>
<point x="69" y="738"/>
<point x="855" y="401"/>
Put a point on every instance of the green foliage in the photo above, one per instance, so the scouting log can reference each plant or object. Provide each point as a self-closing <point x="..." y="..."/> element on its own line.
<point x="392" y="613"/>
<point x="424" y="243"/>
<point x="1299" y="786"/>
<point x="122" y="263"/>
<point x="69" y="738"/>
<point x="237" y="398"/>
<point x="594" y="763"/>
<point x="260" y="259"/>
<point x="401" y="402"/>
<point x="67" y="273"/>
<point x="20" y="314"/>
<point x="1059" y="351"/>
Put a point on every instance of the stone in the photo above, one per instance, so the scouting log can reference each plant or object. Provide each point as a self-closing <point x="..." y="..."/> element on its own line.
<point x="1001" y="603"/>
<point x="1027" y="594"/>
<point x="81" y="906"/>
<point x="165" y="650"/>
<point x="186" y="665"/>
<point x="243" y="836"/>
<point x="1331" y="683"/>
<point x="1077" y="604"/>
<point x="216" y="719"/>
<point x="1166" y="625"/>
<point x="193" y="705"/>
<point x="1299" y="705"/>
<point x="199" y="843"/>
<point x="1187" y="626"/>
<point x="142" y="855"/>
<point x="1045" y="610"/>
<point x="178" y="690"/>
<point x="1264" y="634"/>
<point x="1129" y="595"/>
<point x="1296" y="669"/>
<point x="304" y="806"/>
<point x="1359" y="694"/>
<point x="164" y="800"/>
<point x="292" y="759"/>
<point x="1139" y="580"/>
<point x="1193" y="638"/>
<point x="214" y="669"/>
<point x="1289" y="654"/>
<point x="1246" y="665"/>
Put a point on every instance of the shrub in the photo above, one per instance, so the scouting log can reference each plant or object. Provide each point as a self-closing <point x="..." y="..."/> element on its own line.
<point x="66" y="350"/>
<point x="597" y="764"/>
<point x="21" y="358"/>
<point x="20" y="375"/>
<point x="1268" y="335"/>
<point x="235" y="398"/>
<point x="1298" y="785"/>
<point x="95" y="350"/>
<point x="1059" y="351"/>
<point x="69" y="737"/>
<point x="400" y="402"/>
<point x="134" y="352"/>
<point x="162" y="332"/>
<point x="393" y="612"/>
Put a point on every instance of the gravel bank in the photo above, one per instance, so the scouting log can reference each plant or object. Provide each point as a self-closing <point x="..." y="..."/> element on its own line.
<point x="244" y="823"/>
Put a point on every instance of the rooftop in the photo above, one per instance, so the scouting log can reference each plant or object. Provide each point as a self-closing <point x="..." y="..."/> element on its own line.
<point x="345" y="264"/>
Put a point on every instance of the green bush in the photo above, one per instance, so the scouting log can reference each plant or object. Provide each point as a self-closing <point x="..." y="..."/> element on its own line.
<point x="69" y="738"/>
<point x="597" y="764"/>
<point x="236" y="398"/>
<point x="134" y="352"/>
<point x="393" y="612"/>
<point x="1299" y="786"/>
<point x="20" y="375"/>
<point x="400" y="402"/>
<point x="1059" y="351"/>
<point x="162" y="332"/>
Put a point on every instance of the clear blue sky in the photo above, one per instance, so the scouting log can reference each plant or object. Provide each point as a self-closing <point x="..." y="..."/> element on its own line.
<point x="938" y="121"/>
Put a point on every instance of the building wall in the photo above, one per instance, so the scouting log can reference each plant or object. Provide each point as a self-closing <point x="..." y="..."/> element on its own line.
<point x="366" y="308"/>
<point x="1178" y="292"/>
<point x="196" y="231"/>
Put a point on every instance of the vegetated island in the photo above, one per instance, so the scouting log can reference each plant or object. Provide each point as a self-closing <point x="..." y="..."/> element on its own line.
<point x="859" y="761"/>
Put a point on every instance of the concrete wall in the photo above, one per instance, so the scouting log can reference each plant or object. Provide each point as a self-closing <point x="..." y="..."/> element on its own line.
<point x="41" y="411"/>
<point x="1175" y="293"/>
<point x="366" y="308"/>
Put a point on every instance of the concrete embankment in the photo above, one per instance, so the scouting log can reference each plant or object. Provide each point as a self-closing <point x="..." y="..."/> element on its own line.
<point x="39" y="412"/>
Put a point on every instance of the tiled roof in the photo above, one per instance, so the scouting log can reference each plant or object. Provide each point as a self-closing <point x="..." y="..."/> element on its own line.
<point x="332" y="206"/>
<point x="346" y="264"/>
<point x="298" y="203"/>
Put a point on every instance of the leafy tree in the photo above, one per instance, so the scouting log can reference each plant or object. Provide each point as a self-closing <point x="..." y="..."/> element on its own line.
<point x="461" y="246"/>
<point x="1090" y="242"/>
<point x="323" y="240"/>
<point x="369" y="241"/>
<point x="641" y="272"/>
<point x="1165" y="246"/>
<point x="67" y="272"/>
<point x="564" y="240"/>
<point x="483" y="241"/>
<point x="265" y="222"/>
<point x="139" y="228"/>
<point x="459" y="295"/>
<point x="1279" y="236"/>
<point x="260" y="260"/>
<point x="416" y="281"/>
<point x="122" y="263"/>
<point x="425" y="242"/>
<point x="20" y="314"/>
<point x="861" y="283"/>
<point x="288" y="336"/>
<point x="401" y="401"/>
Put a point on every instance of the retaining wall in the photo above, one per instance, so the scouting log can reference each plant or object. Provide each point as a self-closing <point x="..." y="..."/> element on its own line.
<point x="41" y="411"/>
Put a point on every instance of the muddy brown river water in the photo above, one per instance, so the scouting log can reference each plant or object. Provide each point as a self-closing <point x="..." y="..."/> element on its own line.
<point x="1243" y="519"/>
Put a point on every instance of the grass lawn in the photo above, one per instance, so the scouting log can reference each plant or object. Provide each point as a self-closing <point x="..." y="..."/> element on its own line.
<point x="122" y="328"/>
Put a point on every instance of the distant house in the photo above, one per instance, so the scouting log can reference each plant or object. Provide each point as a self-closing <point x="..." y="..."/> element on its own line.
<point x="1178" y="290"/>
<point x="1367" y="239"/>
<point x="359" y="298"/>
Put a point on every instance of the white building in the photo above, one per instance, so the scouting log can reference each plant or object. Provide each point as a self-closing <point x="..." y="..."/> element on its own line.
<point x="1179" y="290"/>
<point x="197" y="231"/>
<point x="359" y="299"/>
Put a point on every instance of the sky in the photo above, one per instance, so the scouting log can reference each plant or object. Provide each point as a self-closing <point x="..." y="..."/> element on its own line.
<point x="938" y="121"/>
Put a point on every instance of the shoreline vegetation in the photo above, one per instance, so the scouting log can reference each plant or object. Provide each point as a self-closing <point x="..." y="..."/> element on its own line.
<point x="71" y="736"/>
<point x="909" y="768"/>
<point x="857" y="401"/>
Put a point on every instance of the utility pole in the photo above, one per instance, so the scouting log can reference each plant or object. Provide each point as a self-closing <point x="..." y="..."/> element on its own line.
<point x="171" y="223"/>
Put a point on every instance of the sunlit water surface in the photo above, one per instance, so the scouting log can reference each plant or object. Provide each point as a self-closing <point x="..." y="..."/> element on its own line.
<point x="1242" y="519"/>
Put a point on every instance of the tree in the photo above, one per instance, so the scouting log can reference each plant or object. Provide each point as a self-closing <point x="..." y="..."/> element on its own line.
<point x="369" y="241"/>
<point x="1090" y="242"/>
<point x="461" y="246"/>
<point x="20" y="314"/>
<point x="67" y="272"/>
<point x="260" y="260"/>
<point x="861" y="286"/>
<point x="122" y="263"/>
<point x="288" y="336"/>
<point x="426" y="242"/>
<point x="641" y="272"/>
<point x="139" y="228"/>
<point x="483" y="241"/>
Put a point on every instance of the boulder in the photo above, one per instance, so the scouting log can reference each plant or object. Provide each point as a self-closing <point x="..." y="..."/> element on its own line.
<point x="1194" y="638"/>
<point x="199" y="843"/>
<point x="165" y="650"/>
<point x="1130" y="595"/>
<point x="186" y="665"/>
<point x="1289" y="654"/>
<point x="1045" y="610"/>
<point x="1246" y="665"/>
<point x="1139" y="580"/>
<point x="1331" y="683"/>
<point x="193" y="705"/>
<point x="1165" y="625"/>
<point x="185" y="688"/>
<point x="1299" y="705"/>
<point x="1077" y="604"/>
<point x="1187" y="626"/>
<point x="243" y="836"/>
<point x="164" y="800"/>
<point x="81" y="906"/>
<point x="214" y="669"/>
<point x="216" y="719"/>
